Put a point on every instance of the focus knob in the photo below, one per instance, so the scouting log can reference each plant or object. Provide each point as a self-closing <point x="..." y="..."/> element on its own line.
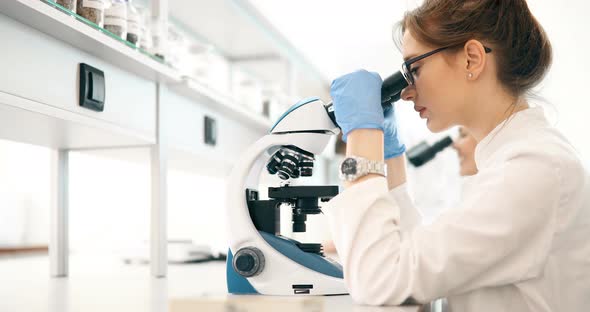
<point x="248" y="261"/>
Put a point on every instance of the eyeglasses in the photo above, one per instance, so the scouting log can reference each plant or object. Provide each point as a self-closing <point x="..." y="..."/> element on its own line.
<point x="407" y="65"/>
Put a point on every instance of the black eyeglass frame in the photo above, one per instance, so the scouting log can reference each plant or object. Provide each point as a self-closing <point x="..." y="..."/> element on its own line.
<point x="407" y="69"/>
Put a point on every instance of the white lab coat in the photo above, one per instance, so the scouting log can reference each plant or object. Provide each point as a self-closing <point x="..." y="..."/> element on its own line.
<point x="518" y="241"/>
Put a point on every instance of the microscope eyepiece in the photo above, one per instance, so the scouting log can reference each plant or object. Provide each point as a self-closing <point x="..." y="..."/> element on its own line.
<point x="392" y="87"/>
<point x="391" y="91"/>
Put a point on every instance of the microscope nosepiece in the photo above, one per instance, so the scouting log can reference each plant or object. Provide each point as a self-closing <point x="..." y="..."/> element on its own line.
<point x="290" y="162"/>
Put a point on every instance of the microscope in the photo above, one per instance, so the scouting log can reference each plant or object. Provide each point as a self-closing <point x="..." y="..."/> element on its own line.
<point x="260" y="260"/>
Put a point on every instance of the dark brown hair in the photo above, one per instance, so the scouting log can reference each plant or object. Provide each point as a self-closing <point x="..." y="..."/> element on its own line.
<point x="522" y="49"/>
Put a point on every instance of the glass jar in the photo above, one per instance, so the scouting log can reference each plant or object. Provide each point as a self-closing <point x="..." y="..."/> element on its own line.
<point x="115" y="18"/>
<point x="178" y="55"/>
<point x="247" y="90"/>
<point x="133" y="23"/>
<point x="68" y="4"/>
<point x="158" y="38"/>
<point x="274" y="100"/>
<point x="92" y="10"/>
<point x="145" y="38"/>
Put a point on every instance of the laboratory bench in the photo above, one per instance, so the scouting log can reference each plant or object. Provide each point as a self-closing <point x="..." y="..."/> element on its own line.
<point x="106" y="283"/>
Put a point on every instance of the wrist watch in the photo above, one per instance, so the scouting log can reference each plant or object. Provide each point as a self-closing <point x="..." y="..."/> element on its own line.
<point x="355" y="167"/>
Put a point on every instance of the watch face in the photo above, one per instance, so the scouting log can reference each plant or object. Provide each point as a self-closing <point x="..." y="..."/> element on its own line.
<point x="348" y="166"/>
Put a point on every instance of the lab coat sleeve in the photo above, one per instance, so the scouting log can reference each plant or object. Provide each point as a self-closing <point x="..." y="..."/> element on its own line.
<point x="410" y="217"/>
<point x="499" y="234"/>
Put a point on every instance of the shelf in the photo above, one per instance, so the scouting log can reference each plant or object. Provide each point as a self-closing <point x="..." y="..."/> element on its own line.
<point x="59" y="23"/>
<point x="245" y="37"/>
<point x="63" y="25"/>
<point x="221" y="103"/>
<point x="61" y="129"/>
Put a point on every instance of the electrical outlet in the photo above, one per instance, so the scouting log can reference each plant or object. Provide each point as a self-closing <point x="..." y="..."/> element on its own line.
<point x="210" y="131"/>
<point x="92" y="88"/>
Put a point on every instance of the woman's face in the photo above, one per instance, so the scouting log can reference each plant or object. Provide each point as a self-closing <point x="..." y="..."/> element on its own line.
<point x="439" y="91"/>
<point x="465" y="147"/>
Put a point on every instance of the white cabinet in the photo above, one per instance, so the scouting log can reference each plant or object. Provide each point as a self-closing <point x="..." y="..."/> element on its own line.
<point x="182" y="126"/>
<point x="44" y="70"/>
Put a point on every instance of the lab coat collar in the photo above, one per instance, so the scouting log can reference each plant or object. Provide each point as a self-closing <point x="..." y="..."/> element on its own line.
<point x="505" y="132"/>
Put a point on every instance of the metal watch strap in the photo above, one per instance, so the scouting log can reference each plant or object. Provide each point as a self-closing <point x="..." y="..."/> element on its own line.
<point x="373" y="166"/>
<point x="361" y="167"/>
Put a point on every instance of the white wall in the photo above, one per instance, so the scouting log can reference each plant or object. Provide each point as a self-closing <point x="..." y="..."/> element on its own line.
<point x="109" y="201"/>
<point x="566" y="87"/>
<point x="342" y="36"/>
<point x="24" y="194"/>
<point x="110" y="205"/>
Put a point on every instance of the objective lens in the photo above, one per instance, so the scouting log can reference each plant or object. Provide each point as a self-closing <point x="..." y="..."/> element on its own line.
<point x="274" y="162"/>
<point x="306" y="168"/>
<point x="290" y="162"/>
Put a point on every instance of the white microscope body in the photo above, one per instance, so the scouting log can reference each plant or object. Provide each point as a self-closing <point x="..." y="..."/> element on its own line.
<point x="261" y="262"/>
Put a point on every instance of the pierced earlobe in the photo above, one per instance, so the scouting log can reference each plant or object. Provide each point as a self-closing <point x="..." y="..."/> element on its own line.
<point x="470" y="75"/>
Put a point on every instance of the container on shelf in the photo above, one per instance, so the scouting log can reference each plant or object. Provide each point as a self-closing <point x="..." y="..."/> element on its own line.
<point x="219" y="76"/>
<point x="92" y="10"/>
<point x="247" y="91"/>
<point x="145" y="37"/>
<point x="133" y="23"/>
<point x="158" y="38"/>
<point x="68" y="4"/>
<point x="201" y="54"/>
<point x="115" y="18"/>
<point x="209" y="67"/>
<point x="274" y="101"/>
<point x="178" y="55"/>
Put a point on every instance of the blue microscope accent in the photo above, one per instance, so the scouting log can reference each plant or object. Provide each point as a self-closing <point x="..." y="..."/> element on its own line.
<point x="237" y="284"/>
<point x="292" y="108"/>
<point x="311" y="261"/>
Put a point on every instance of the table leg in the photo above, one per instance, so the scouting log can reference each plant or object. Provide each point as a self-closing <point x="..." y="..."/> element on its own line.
<point x="58" y="239"/>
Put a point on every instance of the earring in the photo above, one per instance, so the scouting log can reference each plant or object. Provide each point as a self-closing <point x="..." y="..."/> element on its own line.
<point x="470" y="75"/>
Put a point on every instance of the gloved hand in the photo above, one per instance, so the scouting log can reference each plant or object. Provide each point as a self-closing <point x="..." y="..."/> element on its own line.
<point x="391" y="141"/>
<point x="357" y="101"/>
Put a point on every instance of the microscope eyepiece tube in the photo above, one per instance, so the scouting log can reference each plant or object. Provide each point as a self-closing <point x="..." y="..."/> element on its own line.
<point x="391" y="90"/>
<point x="423" y="153"/>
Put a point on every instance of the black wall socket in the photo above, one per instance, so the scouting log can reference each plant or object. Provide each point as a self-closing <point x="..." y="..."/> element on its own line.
<point x="210" y="131"/>
<point x="92" y="88"/>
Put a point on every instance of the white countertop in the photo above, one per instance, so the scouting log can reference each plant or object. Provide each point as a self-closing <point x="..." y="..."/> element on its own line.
<point x="106" y="284"/>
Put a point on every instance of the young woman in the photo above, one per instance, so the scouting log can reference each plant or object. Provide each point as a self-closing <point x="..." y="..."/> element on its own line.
<point x="518" y="241"/>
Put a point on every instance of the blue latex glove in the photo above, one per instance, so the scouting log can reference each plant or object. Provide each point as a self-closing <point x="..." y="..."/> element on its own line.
<point x="391" y="141"/>
<point x="357" y="101"/>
